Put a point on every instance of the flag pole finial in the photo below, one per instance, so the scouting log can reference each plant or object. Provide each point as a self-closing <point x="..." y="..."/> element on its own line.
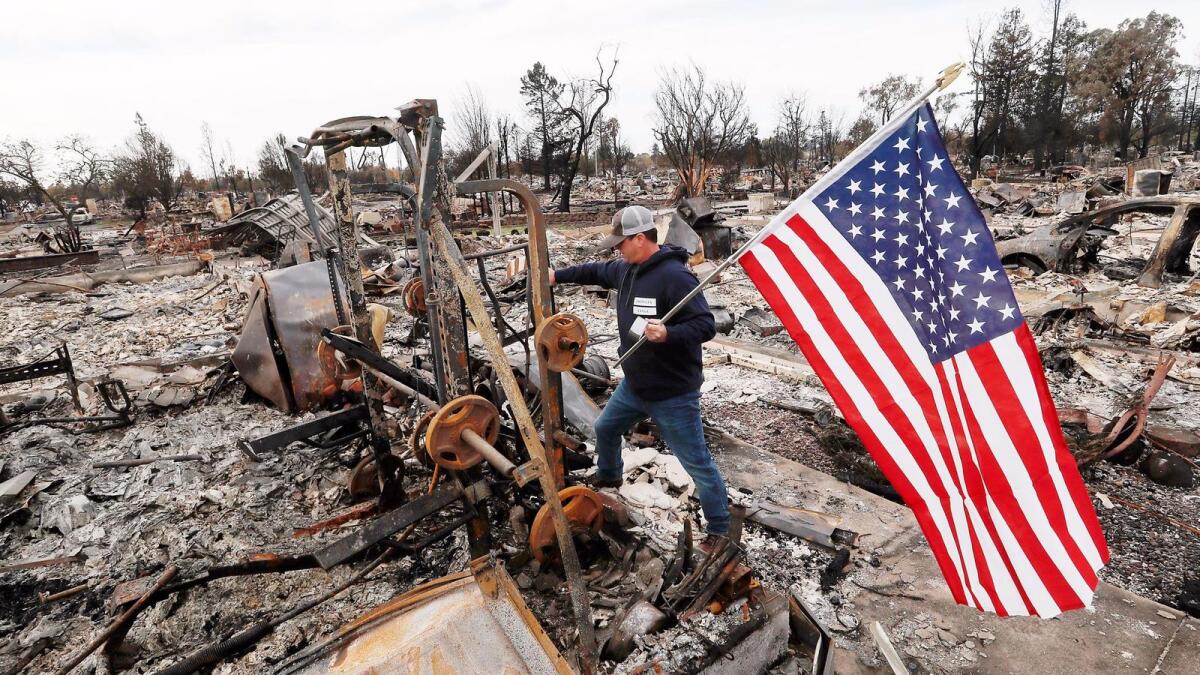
<point x="949" y="75"/>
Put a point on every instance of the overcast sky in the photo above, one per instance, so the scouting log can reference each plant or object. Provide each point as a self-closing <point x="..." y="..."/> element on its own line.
<point x="252" y="69"/>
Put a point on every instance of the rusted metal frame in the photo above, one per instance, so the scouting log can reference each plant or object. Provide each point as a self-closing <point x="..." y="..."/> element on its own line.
<point x="457" y="267"/>
<point x="441" y="294"/>
<point x="424" y="207"/>
<point x="541" y="305"/>
<point x="389" y="468"/>
<point x="486" y="572"/>
<point x="264" y="564"/>
<point x="36" y="262"/>
<point x="122" y="621"/>
<point x="1138" y="412"/>
<point x="302" y="432"/>
<point x="389" y="372"/>
<point x="448" y="333"/>
<point x="206" y="657"/>
<point x="387" y="525"/>
<point x="494" y="580"/>
<point x="310" y="208"/>
<point x="59" y="365"/>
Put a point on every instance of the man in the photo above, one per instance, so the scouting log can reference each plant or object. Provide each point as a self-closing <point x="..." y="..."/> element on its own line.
<point x="663" y="377"/>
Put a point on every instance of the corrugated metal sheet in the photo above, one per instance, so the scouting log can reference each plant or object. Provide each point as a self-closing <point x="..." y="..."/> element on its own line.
<point x="281" y="219"/>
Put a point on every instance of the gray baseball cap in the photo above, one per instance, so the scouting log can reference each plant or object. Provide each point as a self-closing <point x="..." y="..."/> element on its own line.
<point x="627" y="222"/>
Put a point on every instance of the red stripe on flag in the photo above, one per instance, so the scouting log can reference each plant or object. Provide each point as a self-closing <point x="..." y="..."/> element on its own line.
<point x="998" y="487"/>
<point x="1029" y="449"/>
<point x="1066" y="462"/>
<point x="783" y="310"/>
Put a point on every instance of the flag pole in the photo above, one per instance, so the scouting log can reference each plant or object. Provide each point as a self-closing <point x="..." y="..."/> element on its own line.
<point x="944" y="79"/>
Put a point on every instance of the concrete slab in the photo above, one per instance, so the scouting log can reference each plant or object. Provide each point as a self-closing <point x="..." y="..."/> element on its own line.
<point x="1121" y="633"/>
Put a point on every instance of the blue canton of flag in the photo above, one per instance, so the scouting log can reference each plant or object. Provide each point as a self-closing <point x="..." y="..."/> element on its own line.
<point x="908" y="214"/>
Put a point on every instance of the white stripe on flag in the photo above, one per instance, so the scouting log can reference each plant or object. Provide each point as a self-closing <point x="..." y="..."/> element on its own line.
<point x="894" y="317"/>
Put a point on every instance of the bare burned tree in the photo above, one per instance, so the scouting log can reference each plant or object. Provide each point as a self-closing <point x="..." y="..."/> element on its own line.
<point x="472" y="129"/>
<point x="209" y="152"/>
<point x="783" y="151"/>
<point x="886" y="96"/>
<point x="698" y="122"/>
<point x="23" y="162"/>
<point x="83" y="166"/>
<point x="508" y="140"/>
<point x="588" y="99"/>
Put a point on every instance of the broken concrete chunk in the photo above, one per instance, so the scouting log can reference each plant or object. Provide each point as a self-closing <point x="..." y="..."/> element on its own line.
<point x="647" y="494"/>
<point x="676" y="475"/>
<point x="639" y="457"/>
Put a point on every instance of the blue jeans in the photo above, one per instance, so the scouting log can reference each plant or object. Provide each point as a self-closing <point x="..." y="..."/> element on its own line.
<point x="678" y="420"/>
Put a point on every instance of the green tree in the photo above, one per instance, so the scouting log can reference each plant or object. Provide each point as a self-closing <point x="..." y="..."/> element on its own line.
<point x="147" y="170"/>
<point x="542" y="91"/>
<point x="1130" y="77"/>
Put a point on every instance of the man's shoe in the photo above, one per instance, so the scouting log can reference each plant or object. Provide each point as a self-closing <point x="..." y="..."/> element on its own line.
<point x="711" y="542"/>
<point x="595" y="482"/>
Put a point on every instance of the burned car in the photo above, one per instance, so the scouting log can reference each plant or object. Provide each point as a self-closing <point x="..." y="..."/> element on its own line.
<point x="1069" y="243"/>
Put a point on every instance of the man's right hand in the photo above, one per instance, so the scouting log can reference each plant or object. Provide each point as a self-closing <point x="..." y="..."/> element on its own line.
<point x="551" y="277"/>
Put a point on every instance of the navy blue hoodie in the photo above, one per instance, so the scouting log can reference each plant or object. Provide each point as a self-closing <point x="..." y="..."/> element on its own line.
<point x="656" y="371"/>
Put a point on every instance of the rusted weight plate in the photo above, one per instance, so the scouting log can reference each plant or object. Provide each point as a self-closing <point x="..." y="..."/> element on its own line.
<point x="334" y="364"/>
<point x="584" y="509"/>
<point x="444" y="441"/>
<point x="416" y="441"/>
<point x="561" y="342"/>
<point x="414" y="297"/>
<point x="364" y="479"/>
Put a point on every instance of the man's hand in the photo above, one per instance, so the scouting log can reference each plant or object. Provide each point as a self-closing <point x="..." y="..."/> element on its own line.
<point x="656" y="331"/>
<point x="551" y="277"/>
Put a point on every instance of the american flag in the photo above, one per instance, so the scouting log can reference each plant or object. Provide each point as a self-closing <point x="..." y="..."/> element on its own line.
<point x="886" y="276"/>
